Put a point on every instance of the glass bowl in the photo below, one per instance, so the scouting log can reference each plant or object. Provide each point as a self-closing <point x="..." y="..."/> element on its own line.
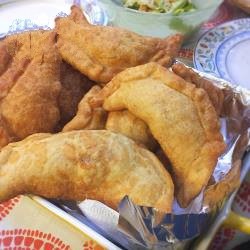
<point x="159" y="24"/>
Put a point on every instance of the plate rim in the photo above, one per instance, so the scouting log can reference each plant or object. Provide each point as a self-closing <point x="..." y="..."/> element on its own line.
<point x="226" y="40"/>
<point x="195" y="63"/>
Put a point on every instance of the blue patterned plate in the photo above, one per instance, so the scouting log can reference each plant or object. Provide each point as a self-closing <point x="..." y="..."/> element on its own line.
<point x="17" y="16"/>
<point x="224" y="52"/>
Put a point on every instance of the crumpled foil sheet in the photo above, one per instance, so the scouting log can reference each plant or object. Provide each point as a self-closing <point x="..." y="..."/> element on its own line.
<point x="146" y="228"/>
<point x="95" y="14"/>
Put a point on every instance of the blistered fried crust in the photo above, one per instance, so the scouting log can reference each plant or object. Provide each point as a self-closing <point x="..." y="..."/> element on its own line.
<point x="100" y="52"/>
<point x="10" y="68"/>
<point x="86" y="116"/>
<point x="215" y="94"/>
<point x="12" y="75"/>
<point x="30" y="86"/>
<point x="27" y="44"/>
<point x="180" y="117"/>
<point x="98" y="165"/>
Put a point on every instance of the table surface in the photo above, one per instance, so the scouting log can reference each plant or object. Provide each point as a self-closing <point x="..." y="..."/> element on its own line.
<point x="28" y="225"/>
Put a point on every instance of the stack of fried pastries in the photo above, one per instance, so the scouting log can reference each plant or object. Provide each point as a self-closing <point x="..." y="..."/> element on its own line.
<point x="37" y="89"/>
<point x="180" y="117"/>
<point x="109" y="92"/>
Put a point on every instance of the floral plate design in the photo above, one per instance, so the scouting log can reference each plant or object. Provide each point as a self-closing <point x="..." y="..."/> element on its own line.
<point x="222" y="52"/>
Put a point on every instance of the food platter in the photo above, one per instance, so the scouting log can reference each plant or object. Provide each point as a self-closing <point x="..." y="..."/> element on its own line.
<point x="221" y="51"/>
<point x="87" y="151"/>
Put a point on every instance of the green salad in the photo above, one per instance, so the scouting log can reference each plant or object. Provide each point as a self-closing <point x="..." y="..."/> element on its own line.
<point x="175" y="7"/>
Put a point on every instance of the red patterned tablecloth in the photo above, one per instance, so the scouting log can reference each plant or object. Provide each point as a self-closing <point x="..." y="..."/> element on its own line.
<point x="26" y="225"/>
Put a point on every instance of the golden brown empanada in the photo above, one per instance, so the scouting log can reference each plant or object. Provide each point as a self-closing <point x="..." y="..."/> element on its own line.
<point x="180" y="116"/>
<point x="94" y="164"/>
<point x="100" y="52"/>
<point x="30" y="86"/>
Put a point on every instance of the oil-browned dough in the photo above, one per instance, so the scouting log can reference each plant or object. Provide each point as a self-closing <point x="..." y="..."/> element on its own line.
<point x="215" y="93"/>
<point x="95" y="164"/>
<point x="181" y="118"/>
<point x="100" y="52"/>
<point x="29" y="85"/>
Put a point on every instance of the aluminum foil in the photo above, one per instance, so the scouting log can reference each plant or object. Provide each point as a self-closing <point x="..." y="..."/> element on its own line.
<point x="95" y="14"/>
<point x="145" y="228"/>
<point x="151" y="230"/>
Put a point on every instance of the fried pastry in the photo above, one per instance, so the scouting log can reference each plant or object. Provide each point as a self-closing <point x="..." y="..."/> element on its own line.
<point x="9" y="78"/>
<point x="215" y="94"/>
<point x="5" y="58"/>
<point x="5" y="134"/>
<point x="30" y="86"/>
<point x="26" y="43"/>
<point x="78" y="16"/>
<point x="180" y="117"/>
<point x="100" y="52"/>
<point x="94" y="164"/>
<point x="86" y="116"/>
<point x="74" y="87"/>
<point x="126" y="123"/>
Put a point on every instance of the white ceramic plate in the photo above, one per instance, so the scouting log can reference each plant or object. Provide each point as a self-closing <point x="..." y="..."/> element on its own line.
<point x="17" y="16"/>
<point x="225" y="52"/>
